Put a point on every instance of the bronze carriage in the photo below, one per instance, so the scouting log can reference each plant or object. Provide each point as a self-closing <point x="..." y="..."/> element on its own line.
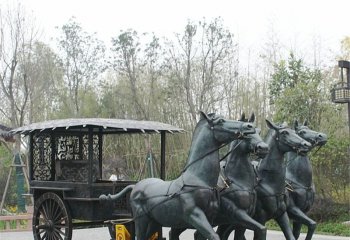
<point x="65" y="172"/>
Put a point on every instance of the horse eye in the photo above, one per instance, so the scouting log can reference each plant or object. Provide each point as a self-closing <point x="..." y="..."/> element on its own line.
<point x="302" y="132"/>
<point x="285" y="132"/>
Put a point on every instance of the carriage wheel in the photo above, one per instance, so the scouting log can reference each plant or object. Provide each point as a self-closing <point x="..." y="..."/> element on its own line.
<point x="51" y="219"/>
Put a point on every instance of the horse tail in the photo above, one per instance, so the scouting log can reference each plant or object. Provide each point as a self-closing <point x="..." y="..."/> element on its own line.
<point x="116" y="196"/>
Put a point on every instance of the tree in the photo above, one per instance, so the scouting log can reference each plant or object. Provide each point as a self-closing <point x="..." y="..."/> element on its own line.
<point x="139" y="73"/>
<point x="42" y="68"/>
<point x="299" y="92"/>
<point x="82" y="57"/>
<point x="296" y="91"/>
<point x="345" y="48"/>
<point x="197" y="63"/>
<point x="126" y="48"/>
<point x="17" y="36"/>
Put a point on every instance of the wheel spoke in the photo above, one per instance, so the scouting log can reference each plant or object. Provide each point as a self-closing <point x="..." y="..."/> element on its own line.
<point x="61" y="219"/>
<point x="49" y="209"/>
<point x="61" y="226"/>
<point x="58" y="233"/>
<point x="44" y="236"/>
<point x="44" y="226"/>
<point x="50" y="236"/>
<point x="57" y="213"/>
<point x="43" y="212"/>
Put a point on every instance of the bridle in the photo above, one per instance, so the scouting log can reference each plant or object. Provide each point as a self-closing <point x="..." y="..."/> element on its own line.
<point x="295" y="147"/>
<point x="212" y="128"/>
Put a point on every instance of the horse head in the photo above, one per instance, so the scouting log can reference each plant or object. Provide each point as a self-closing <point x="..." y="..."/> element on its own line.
<point x="288" y="140"/>
<point x="253" y="143"/>
<point x="313" y="137"/>
<point x="225" y="130"/>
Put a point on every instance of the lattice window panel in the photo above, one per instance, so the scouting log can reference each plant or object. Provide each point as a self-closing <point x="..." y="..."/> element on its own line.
<point x="42" y="161"/>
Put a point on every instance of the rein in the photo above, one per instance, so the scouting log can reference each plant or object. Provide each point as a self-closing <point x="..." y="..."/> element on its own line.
<point x="210" y="152"/>
<point x="318" y="149"/>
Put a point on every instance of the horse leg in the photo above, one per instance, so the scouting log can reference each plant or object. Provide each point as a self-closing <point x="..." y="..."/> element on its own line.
<point x="141" y="227"/>
<point x="283" y="222"/>
<point x="224" y="231"/>
<point x="300" y="218"/>
<point x="152" y="228"/>
<point x="174" y="233"/>
<point x="198" y="236"/>
<point x="296" y="229"/>
<point x="198" y="220"/>
<point x="248" y="222"/>
<point x="239" y="233"/>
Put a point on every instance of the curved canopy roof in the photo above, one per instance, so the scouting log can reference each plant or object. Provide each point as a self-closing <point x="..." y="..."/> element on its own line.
<point x="5" y="133"/>
<point x="106" y="125"/>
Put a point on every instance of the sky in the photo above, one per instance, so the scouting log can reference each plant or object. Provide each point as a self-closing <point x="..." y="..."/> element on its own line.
<point x="297" y="23"/>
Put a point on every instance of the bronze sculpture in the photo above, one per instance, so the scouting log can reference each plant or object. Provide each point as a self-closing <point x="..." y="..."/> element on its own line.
<point x="301" y="190"/>
<point x="236" y="185"/>
<point x="189" y="200"/>
<point x="271" y="171"/>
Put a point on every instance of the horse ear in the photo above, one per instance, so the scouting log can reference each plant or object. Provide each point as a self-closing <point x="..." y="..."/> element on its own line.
<point x="305" y="123"/>
<point x="209" y="117"/>
<point x="242" y="119"/>
<point x="252" y="118"/>
<point x="203" y="115"/>
<point x="271" y="125"/>
<point x="296" y="124"/>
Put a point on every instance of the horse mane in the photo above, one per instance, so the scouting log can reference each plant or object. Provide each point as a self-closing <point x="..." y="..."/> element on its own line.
<point x="200" y="124"/>
<point x="270" y="134"/>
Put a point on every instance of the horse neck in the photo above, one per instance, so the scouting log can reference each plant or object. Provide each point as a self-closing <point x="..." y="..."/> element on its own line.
<point x="203" y="166"/>
<point x="274" y="159"/>
<point x="239" y="169"/>
<point x="299" y="169"/>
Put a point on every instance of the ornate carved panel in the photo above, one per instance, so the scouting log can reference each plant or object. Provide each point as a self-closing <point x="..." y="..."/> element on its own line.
<point x="72" y="154"/>
<point x="95" y="144"/>
<point x="96" y="153"/>
<point x="42" y="165"/>
<point x="68" y="148"/>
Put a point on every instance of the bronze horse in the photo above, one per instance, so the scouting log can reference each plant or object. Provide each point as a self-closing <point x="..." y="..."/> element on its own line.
<point x="191" y="199"/>
<point x="237" y="185"/>
<point x="301" y="190"/>
<point x="271" y="195"/>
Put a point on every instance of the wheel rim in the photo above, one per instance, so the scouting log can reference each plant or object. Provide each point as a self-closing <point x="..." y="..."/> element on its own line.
<point x="51" y="220"/>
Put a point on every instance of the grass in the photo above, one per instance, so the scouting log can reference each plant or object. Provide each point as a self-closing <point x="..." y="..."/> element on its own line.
<point x="325" y="228"/>
<point x="23" y="224"/>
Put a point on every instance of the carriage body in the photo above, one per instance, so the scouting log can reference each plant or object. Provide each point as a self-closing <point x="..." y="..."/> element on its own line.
<point x="65" y="172"/>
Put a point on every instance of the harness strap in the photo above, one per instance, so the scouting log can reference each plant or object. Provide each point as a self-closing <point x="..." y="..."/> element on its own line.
<point x="294" y="185"/>
<point x="146" y="210"/>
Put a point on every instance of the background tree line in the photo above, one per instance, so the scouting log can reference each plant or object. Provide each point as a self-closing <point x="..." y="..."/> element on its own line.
<point x="144" y="76"/>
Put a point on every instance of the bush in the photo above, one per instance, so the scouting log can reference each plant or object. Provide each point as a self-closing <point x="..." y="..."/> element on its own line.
<point x="326" y="210"/>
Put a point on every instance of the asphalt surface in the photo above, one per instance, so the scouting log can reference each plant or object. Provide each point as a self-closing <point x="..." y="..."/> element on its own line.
<point x="102" y="234"/>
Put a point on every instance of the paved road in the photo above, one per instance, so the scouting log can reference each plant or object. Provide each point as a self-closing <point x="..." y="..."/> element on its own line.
<point x="102" y="234"/>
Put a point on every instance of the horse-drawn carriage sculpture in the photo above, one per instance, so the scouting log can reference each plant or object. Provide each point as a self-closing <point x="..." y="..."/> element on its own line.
<point x="65" y="172"/>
